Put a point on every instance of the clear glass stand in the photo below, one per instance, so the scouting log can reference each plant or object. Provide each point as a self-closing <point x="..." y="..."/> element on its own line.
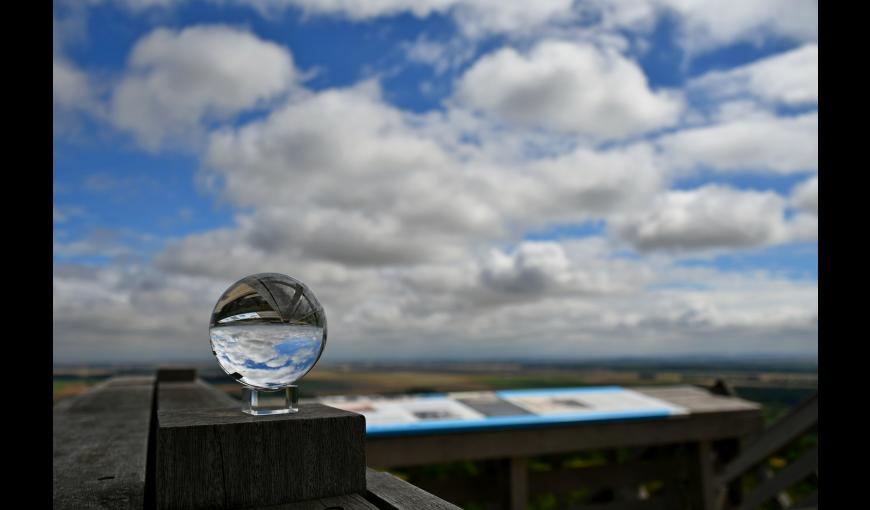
<point x="262" y="402"/>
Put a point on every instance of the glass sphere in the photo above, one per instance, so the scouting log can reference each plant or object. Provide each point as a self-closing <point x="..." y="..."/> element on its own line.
<point x="267" y="331"/>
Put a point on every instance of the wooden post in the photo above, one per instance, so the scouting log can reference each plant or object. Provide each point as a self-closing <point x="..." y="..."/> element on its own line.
<point x="176" y="374"/>
<point x="519" y="483"/>
<point x="222" y="458"/>
<point x="100" y="444"/>
<point x="703" y="476"/>
<point x="727" y="450"/>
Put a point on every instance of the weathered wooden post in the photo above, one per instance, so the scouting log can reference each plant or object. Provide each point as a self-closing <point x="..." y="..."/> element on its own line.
<point x="209" y="454"/>
<point x="223" y="458"/>
<point x="176" y="374"/>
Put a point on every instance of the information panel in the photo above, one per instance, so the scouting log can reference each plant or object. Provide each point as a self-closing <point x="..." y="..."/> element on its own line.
<point x="461" y="411"/>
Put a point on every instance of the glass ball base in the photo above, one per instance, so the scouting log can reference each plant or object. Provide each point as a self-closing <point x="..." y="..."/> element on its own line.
<point x="264" y="403"/>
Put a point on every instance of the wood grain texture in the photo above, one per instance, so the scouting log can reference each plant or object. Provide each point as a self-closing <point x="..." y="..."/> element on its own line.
<point x="100" y="443"/>
<point x="346" y="502"/>
<point x="387" y="492"/>
<point x="223" y="458"/>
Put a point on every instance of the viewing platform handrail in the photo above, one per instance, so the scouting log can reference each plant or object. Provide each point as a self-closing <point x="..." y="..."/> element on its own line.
<point x="781" y="434"/>
<point x="788" y="428"/>
<point x="106" y="455"/>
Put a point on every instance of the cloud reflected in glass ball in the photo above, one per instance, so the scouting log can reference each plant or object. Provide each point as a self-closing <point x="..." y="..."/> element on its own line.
<point x="267" y="330"/>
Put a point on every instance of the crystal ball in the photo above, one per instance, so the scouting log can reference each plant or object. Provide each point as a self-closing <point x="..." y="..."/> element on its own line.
<point x="267" y="331"/>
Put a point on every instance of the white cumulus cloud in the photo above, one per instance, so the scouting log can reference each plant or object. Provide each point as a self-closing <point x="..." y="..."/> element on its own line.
<point x="709" y="217"/>
<point x="759" y="142"/>
<point x="568" y="87"/>
<point x="177" y="79"/>
<point x="413" y="228"/>
<point x="791" y="78"/>
<point x="805" y="195"/>
<point x="707" y="24"/>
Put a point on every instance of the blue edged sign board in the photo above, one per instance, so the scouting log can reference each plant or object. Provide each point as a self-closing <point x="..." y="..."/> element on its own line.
<point x="492" y="410"/>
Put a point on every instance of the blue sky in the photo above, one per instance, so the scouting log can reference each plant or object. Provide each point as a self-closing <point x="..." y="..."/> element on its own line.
<point x="632" y="178"/>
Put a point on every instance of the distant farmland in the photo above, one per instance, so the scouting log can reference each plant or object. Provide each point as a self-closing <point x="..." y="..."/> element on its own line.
<point x="778" y="386"/>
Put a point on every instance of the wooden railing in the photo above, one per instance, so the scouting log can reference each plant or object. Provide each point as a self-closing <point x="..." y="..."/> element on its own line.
<point x="161" y="442"/>
<point x="655" y="463"/>
<point x="753" y="462"/>
<point x="106" y="456"/>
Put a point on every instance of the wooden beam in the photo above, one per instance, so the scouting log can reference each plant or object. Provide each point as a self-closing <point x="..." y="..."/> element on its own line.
<point x="387" y="492"/>
<point x="698" y="400"/>
<point x="803" y="467"/>
<point x="703" y="480"/>
<point x="519" y="482"/>
<point x="726" y="450"/>
<point x="346" y="502"/>
<point x="782" y="500"/>
<point x="176" y="374"/>
<point x="386" y="452"/>
<point x="797" y="422"/>
<point x="100" y="442"/>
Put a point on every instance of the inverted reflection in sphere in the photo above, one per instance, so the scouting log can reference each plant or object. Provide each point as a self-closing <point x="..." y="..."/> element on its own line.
<point x="267" y="330"/>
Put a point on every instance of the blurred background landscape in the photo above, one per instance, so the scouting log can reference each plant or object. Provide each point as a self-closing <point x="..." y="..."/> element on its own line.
<point x="778" y="383"/>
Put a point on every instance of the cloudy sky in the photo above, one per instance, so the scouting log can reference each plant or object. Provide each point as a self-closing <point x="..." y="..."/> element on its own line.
<point x="454" y="179"/>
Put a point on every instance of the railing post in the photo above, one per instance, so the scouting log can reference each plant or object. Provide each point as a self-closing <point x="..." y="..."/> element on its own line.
<point x="726" y="450"/>
<point x="221" y="458"/>
<point x="704" y="497"/>
<point x="176" y="374"/>
<point x="519" y="483"/>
